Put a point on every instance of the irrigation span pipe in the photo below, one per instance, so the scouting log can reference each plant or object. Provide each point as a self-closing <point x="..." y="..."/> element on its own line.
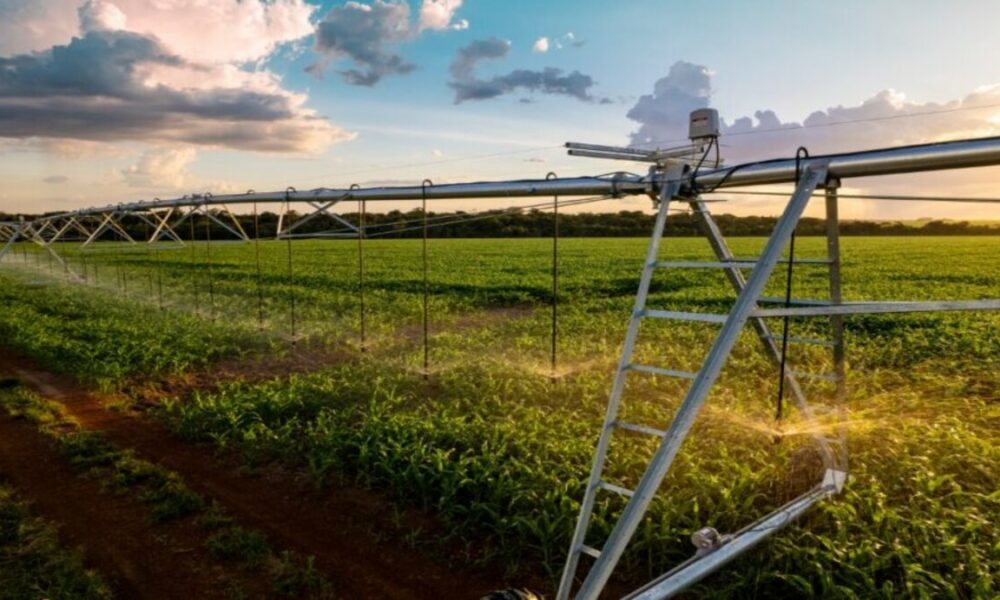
<point x="888" y="161"/>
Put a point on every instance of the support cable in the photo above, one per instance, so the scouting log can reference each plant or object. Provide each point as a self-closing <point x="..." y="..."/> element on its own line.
<point x="256" y="252"/>
<point x="423" y="194"/>
<point x="145" y="235"/>
<point x="555" y="281"/>
<point x="291" y="273"/>
<point x="83" y="265"/>
<point x="491" y="214"/>
<point x="362" y="206"/>
<point x="208" y="260"/>
<point x="194" y="261"/>
<point x="800" y="153"/>
<point x="159" y="273"/>
<point x="120" y="268"/>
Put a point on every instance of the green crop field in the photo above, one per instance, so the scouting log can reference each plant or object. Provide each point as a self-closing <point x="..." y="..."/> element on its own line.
<point x="499" y="450"/>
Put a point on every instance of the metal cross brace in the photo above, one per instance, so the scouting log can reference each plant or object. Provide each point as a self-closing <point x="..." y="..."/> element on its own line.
<point x="323" y="209"/>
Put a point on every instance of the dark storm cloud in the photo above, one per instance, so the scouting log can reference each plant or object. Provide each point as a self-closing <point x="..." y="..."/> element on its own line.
<point x="547" y="81"/>
<point x="365" y="33"/>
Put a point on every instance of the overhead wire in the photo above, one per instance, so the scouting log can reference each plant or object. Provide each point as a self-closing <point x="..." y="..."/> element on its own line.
<point x="491" y="215"/>
<point x="908" y="198"/>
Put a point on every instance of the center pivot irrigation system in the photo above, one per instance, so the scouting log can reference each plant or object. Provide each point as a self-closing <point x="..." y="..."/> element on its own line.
<point x="675" y="176"/>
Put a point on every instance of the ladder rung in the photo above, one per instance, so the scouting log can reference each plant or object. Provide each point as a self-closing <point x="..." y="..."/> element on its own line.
<point x="589" y="551"/>
<point x="804" y="340"/>
<point x="695" y="264"/>
<point x="659" y="371"/>
<point x="795" y="301"/>
<point x="640" y="429"/>
<point x="685" y="316"/>
<point x="818" y="376"/>
<point x="604" y="485"/>
<point x="797" y="261"/>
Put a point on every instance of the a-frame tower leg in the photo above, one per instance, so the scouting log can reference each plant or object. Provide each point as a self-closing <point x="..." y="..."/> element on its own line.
<point x="813" y="176"/>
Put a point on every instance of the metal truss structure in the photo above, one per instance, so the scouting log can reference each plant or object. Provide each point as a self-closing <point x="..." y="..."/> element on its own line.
<point x="673" y="178"/>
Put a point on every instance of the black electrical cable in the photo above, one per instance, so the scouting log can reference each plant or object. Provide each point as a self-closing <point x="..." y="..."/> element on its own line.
<point x="119" y="268"/>
<point x="291" y="274"/>
<point x="194" y="261"/>
<point x="145" y="235"/>
<point x="555" y="280"/>
<point x="159" y="270"/>
<point x="800" y="153"/>
<point x="208" y="262"/>
<point x="362" y="206"/>
<point x="83" y="264"/>
<point x="260" y="277"/>
<point x="423" y="194"/>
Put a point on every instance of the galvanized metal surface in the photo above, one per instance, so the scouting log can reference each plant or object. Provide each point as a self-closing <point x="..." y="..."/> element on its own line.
<point x="903" y="159"/>
<point x="694" y="570"/>
<point x="577" y="546"/>
<point x="813" y="175"/>
<point x="868" y="308"/>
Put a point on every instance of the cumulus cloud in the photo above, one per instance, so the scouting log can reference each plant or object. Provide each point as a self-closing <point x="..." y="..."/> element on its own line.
<point x="161" y="168"/>
<point x="31" y="25"/>
<point x="221" y="31"/>
<point x="369" y="35"/>
<point x="547" y="81"/>
<point x="546" y="43"/>
<point x="101" y="16"/>
<point x="366" y="34"/>
<point x="438" y="15"/>
<point x="113" y="83"/>
<point x="663" y="115"/>
<point x="886" y="118"/>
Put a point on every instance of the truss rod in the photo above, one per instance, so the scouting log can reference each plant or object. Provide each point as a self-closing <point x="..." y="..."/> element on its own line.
<point x="860" y="308"/>
<point x="906" y="198"/>
<point x="888" y="161"/>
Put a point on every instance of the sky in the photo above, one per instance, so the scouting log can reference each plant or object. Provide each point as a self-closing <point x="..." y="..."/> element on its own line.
<point x="105" y="101"/>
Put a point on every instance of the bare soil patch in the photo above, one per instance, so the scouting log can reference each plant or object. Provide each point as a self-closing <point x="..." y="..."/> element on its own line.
<point x="348" y="530"/>
<point x="137" y="558"/>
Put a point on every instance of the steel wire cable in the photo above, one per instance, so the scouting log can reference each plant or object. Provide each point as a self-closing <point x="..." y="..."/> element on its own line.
<point x="492" y="214"/>
<point x="423" y="193"/>
<point x="555" y="281"/>
<point x="194" y="262"/>
<point x="362" y="206"/>
<point x="259" y="278"/>
<point x="800" y="154"/>
<point x="291" y="273"/>
<point x="208" y="262"/>
<point x="907" y="197"/>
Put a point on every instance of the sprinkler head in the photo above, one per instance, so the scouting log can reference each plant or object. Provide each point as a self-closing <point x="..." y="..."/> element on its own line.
<point x="708" y="539"/>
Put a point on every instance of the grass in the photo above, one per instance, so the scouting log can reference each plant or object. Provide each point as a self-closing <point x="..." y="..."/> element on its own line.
<point x="32" y="562"/>
<point x="499" y="452"/>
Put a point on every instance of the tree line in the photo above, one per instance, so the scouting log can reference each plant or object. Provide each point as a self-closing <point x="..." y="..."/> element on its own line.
<point x="535" y="223"/>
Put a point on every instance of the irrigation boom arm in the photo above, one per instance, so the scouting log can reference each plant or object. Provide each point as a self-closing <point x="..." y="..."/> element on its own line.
<point x="903" y="159"/>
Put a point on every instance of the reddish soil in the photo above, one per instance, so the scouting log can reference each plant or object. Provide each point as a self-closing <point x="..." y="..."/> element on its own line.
<point x="138" y="559"/>
<point x="348" y="530"/>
